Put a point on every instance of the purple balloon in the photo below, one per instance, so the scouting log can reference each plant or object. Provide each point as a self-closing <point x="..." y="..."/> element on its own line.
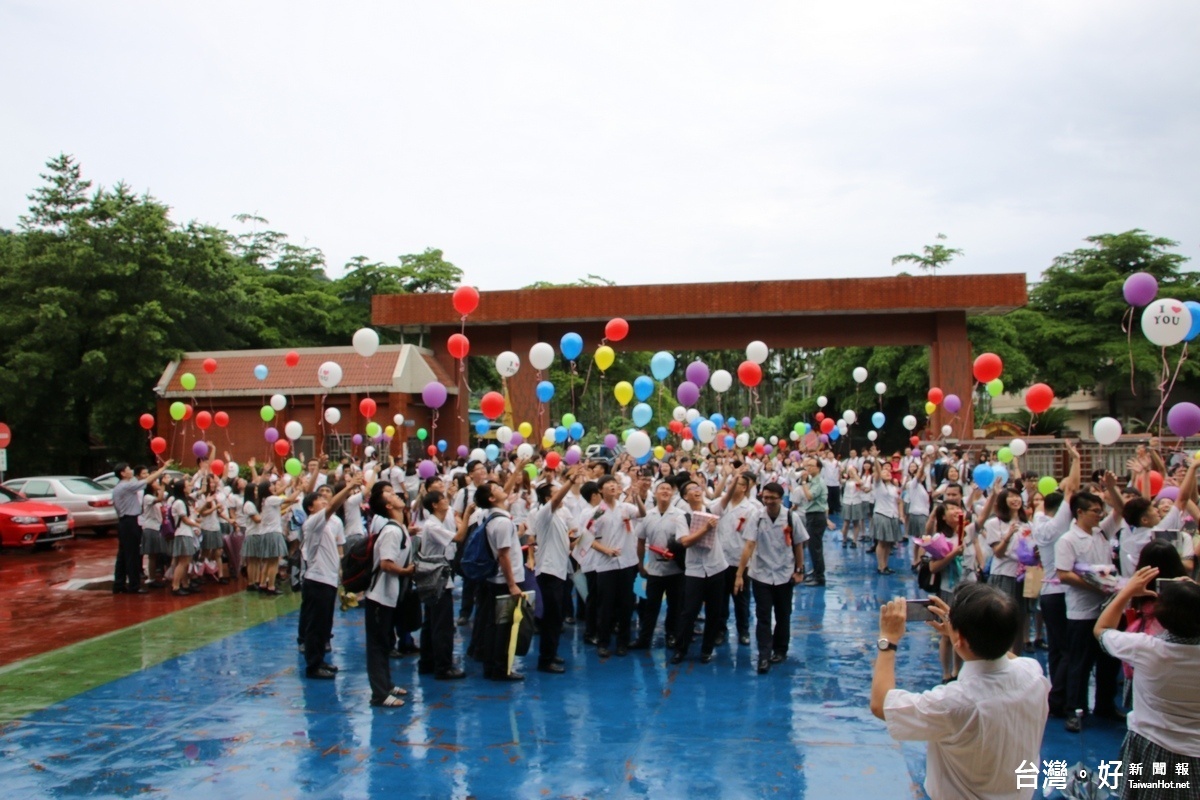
<point x="697" y="373"/>
<point x="271" y="435"/>
<point x="824" y="438"/>
<point x="508" y="446"/>
<point x="462" y="451"/>
<point x="434" y="394"/>
<point x="768" y="449"/>
<point x="1168" y="493"/>
<point x="571" y="457"/>
<point x="1184" y="419"/>
<point x="952" y="403"/>
<point x="426" y="469"/>
<point x="356" y="438"/>
<point x="795" y="455"/>
<point x="610" y="441"/>
<point x="1140" y="289"/>
<point x="687" y="393"/>
<point x="745" y="422"/>
<point x="200" y="450"/>
<point x="517" y="439"/>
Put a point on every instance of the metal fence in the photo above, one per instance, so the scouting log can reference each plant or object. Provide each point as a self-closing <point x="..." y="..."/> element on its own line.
<point x="1048" y="456"/>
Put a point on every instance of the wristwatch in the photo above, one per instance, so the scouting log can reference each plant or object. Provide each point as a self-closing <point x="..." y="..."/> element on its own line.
<point x="884" y="644"/>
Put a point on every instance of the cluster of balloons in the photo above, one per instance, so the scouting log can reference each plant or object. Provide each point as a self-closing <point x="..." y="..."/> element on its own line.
<point x="1165" y="321"/>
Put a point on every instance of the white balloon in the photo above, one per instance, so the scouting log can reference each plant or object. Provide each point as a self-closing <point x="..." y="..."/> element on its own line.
<point x="504" y="434"/>
<point x="525" y="450"/>
<point x="872" y="435"/>
<point x="691" y="415"/>
<point x="947" y="430"/>
<point x="1018" y="447"/>
<point x="638" y="444"/>
<point x="760" y="440"/>
<point x="293" y="430"/>
<point x="704" y="451"/>
<point x="1166" y="322"/>
<point x="720" y="381"/>
<point x="366" y="342"/>
<point x="742" y="440"/>
<point x="849" y="416"/>
<point x="687" y="444"/>
<point x="822" y="401"/>
<point x="549" y="434"/>
<point x="757" y="352"/>
<point x="507" y="363"/>
<point x="842" y="426"/>
<point x="541" y="356"/>
<point x="278" y="402"/>
<point x="775" y="439"/>
<point x="910" y="422"/>
<point x="368" y="451"/>
<point x="232" y="469"/>
<point x="1106" y="430"/>
<point x="707" y="431"/>
<point x="679" y="414"/>
<point x="795" y="437"/>
<point x="333" y="416"/>
<point x="399" y="420"/>
<point x="329" y="374"/>
<point x="860" y="374"/>
<point x="929" y="450"/>
<point x="881" y="388"/>
<point x="478" y="455"/>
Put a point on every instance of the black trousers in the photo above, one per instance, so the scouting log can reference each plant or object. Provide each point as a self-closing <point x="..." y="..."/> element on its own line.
<point x="591" y="610"/>
<point x="697" y="592"/>
<point x="835" y="500"/>
<point x="470" y="590"/>
<point x="1054" y="613"/>
<point x="492" y="645"/>
<point x="128" y="569"/>
<point x="816" y="522"/>
<point x="437" y="635"/>
<point x="670" y="586"/>
<point x="379" y="642"/>
<point x="550" y="631"/>
<point x="317" y="601"/>
<point x="1084" y="653"/>
<point x="777" y="600"/>
<point x="616" y="604"/>
<point x="741" y="603"/>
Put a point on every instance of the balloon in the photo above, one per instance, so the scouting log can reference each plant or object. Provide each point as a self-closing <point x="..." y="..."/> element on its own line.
<point x="525" y="429"/>
<point x="842" y="426"/>
<point x="794" y="436"/>
<point x="1166" y="322"/>
<point x="434" y="394"/>
<point x="491" y="452"/>
<point x="827" y="425"/>
<point x="492" y="405"/>
<point x="872" y="435"/>
<point x="267" y="413"/>
<point x="878" y="419"/>
<point x="504" y="434"/>
<point x="541" y="355"/>
<point x="203" y="420"/>
<point x="822" y="401"/>
<point x="292" y="358"/>
<point x="835" y="434"/>
<point x="930" y="407"/>
<point x="188" y="381"/>
<point x="507" y="364"/>
<point x="177" y="411"/>
<point x="643" y="387"/>
<point x="187" y="411"/>
<point x="367" y="407"/>
<point x="1038" y="397"/>
<point x="983" y="476"/>
<point x="283" y="447"/>
<point x="687" y="393"/>
<point x="465" y="299"/>
<point x="575" y="431"/>
<point x="389" y="431"/>
<point x="1108" y="430"/>
<point x="1194" y="309"/>
<point x="1140" y="289"/>
<point x="568" y="419"/>
<point x="293" y="430"/>
<point x="987" y="367"/>
<point x="749" y="373"/>
<point x="881" y="388"/>
<point x="431" y="450"/>
<point x="1018" y="447"/>
<point x="217" y="467"/>
<point x="525" y="451"/>
<point x="571" y="346"/>
<point x="679" y="414"/>
<point x="574" y="454"/>
<point x="366" y="342"/>
<point x="560" y="434"/>
<point x="706" y="431"/>
<point x="687" y="444"/>
<point x="544" y="391"/>
<point x="909" y="422"/>
<point x="660" y="452"/>
<point x="260" y="372"/>
<point x="373" y="429"/>
<point x="697" y="373"/>
<point x="357" y="439"/>
<point x="717" y="420"/>
<point x="458" y="345"/>
<point x="278" y="402"/>
<point x="616" y="329"/>
<point x="1047" y="485"/>
<point x="638" y="444"/>
<point x="441" y="445"/>
<point x="210" y="366"/>
<point x="849" y="416"/>
<point x="553" y="460"/>
<point x="642" y="414"/>
<point x="935" y="395"/>
<point x="720" y="381"/>
<point x="329" y="374"/>
<point x="422" y="434"/>
<point x="820" y="417"/>
<point x="333" y="416"/>
<point x="1005" y="454"/>
<point x="691" y="415"/>
<point x="200" y="450"/>
<point x="995" y="387"/>
<point x="952" y="403"/>
<point x="158" y="445"/>
<point x="947" y="430"/>
<point x="661" y="433"/>
<point x="1184" y="419"/>
<point x="426" y="469"/>
<point x="610" y="441"/>
<point x="662" y="364"/>
<point x="742" y="439"/>
<point x="757" y="352"/>
<point x="271" y="435"/>
<point x="859" y="374"/>
<point x="293" y="467"/>
<point x="1168" y="493"/>
<point x="1000" y="473"/>
<point x="623" y="392"/>
<point x="604" y="357"/>
<point x="146" y="421"/>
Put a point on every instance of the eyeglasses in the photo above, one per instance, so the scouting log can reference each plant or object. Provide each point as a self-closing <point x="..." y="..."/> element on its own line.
<point x="1092" y="510"/>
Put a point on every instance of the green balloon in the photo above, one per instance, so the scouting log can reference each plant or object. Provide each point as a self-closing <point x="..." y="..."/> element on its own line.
<point x="798" y="427"/>
<point x="1047" y="485"/>
<point x="422" y="434"/>
<point x="625" y="434"/>
<point x="178" y="410"/>
<point x="188" y="381"/>
<point x="293" y="466"/>
<point x="373" y="429"/>
<point x="1004" y="454"/>
<point x="568" y="420"/>
<point x="531" y="471"/>
<point x="267" y="413"/>
<point x="995" y="387"/>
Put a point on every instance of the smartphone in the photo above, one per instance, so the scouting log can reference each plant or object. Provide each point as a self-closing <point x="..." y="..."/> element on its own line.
<point x="1167" y="536"/>
<point x="918" y="611"/>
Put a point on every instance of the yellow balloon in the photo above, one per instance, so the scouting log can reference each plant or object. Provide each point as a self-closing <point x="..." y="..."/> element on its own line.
<point x="389" y="431"/>
<point x="548" y="442"/>
<point x="659" y="452"/>
<point x="605" y="357"/>
<point x="623" y="391"/>
<point x="525" y="429"/>
<point x="930" y="407"/>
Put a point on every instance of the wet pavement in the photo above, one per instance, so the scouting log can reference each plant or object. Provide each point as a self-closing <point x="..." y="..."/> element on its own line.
<point x="208" y="699"/>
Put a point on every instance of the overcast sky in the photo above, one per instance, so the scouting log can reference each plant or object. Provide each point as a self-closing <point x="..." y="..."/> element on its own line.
<point x="643" y="142"/>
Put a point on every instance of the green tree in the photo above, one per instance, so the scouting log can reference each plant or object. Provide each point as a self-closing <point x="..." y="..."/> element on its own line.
<point x="932" y="258"/>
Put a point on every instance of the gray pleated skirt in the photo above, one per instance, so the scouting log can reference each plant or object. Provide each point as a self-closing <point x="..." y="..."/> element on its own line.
<point x="153" y="544"/>
<point x="886" y="529"/>
<point x="183" y="546"/>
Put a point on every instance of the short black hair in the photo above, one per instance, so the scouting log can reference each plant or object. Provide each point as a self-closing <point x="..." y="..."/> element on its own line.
<point x="120" y="467"/>
<point x="773" y="488"/>
<point x="986" y="617"/>
<point x="472" y="464"/>
<point x="309" y="499"/>
<point x="543" y="493"/>
<point x="138" y="469"/>
<point x="432" y="479"/>
<point x="483" y="495"/>
<point x="604" y="480"/>
<point x="1134" y="510"/>
<point x="431" y="499"/>
<point x="589" y="490"/>
<point x="1082" y="500"/>
<point x="379" y="506"/>
<point x="1052" y="502"/>
<point x="1178" y="607"/>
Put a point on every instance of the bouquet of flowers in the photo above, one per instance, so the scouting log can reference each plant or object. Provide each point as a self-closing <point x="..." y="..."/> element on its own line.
<point x="1103" y="576"/>
<point x="937" y="546"/>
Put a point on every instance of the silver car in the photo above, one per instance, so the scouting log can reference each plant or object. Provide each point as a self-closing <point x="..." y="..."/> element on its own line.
<point x="89" y="503"/>
<point x="109" y="479"/>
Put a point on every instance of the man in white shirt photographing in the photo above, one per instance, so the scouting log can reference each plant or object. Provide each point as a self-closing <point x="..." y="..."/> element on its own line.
<point x="981" y="727"/>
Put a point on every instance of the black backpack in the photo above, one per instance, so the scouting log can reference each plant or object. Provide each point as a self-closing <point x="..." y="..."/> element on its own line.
<point x="358" y="563"/>
<point x="675" y="547"/>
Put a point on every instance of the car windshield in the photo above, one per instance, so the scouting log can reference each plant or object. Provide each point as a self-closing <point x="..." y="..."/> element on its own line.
<point x="82" y="486"/>
<point x="7" y="496"/>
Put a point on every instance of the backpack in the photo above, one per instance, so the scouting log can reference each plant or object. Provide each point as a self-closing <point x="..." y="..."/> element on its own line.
<point x="478" y="561"/>
<point x="167" y="529"/>
<point x="675" y="547"/>
<point x="431" y="574"/>
<point x="358" y="563"/>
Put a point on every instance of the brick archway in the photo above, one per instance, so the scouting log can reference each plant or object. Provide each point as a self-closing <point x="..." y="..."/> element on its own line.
<point x="905" y="310"/>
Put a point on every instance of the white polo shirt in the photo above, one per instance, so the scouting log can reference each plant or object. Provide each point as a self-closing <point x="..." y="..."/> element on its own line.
<point x="657" y="529"/>
<point x="1166" y="688"/>
<point x="1047" y="531"/>
<point x="1075" y="546"/>
<point x="320" y="550"/>
<point x="552" y="531"/>
<point x="614" y="529"/>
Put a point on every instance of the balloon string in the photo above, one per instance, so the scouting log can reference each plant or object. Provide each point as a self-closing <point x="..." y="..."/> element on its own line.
<point x="574" y="375"/>
<point x="1127" y="326"/>
<point x="1165" y="389"/>
<point x="583" y="392"/>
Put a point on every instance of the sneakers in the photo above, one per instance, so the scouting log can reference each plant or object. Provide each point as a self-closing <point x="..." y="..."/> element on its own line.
<point x="1073" y="724"/>
<point x="777" y="658"/>
<point x="744" y="639"/>
<point x="450" y="675"/>
<point x="320" y="673"/>
<point x="553" y="669"/>
<point x="764" y="666"/>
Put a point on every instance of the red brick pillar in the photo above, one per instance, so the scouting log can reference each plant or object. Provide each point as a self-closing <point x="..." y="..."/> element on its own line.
<point x="950" y="370"/>
<point x="522" y="387"/>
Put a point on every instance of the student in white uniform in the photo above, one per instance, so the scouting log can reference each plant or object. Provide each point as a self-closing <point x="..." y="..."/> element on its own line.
<point x="703" y="582"/>
<point x="321" y="578"/>
<point x="551" y="526"/>
<point x="441" y="534"/>
<point x="617" y="564"/>
<point x="392" y="561"/>
<point x="664" y="577"/>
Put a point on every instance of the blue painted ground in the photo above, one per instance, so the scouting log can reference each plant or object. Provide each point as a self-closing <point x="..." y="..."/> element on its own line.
<point x="234" y="719"/>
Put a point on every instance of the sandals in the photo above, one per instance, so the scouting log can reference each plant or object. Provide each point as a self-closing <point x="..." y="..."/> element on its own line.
<point x="391" y="701"/>
<point x="398" y="691"/>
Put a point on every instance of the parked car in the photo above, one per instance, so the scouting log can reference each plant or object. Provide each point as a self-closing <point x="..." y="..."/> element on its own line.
<point x="110" y="479"/>
<point x="89" y="503"/>
<point x="26" y="523"/>
<point x="598" y="452"/>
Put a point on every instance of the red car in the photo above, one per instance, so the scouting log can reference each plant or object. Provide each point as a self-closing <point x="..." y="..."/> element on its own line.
<point x="26" y="523"/>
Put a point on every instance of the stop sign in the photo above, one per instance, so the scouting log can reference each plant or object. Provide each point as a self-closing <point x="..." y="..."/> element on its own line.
<point x="5" y="436"/>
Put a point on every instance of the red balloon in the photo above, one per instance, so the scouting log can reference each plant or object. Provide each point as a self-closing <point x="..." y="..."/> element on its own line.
<point x="367" y="407"/>
<point x="1039" y="397"/>
<point x="749" y="373"/>
<point x="669" y="449"/>
<point x="432" y="450"/>
<point x="492" y="405"/>
<point x="820" y="417"/>
<point x="292" y="358"/>
<point x="827" y="425"/>
<point x="760" y="449"/>
<point x="675" y="426"/>
<point x="203" y="420"/>
<point x="553" y="460"/>
<point x="146" y="421"/>
<point x="914" y="441"/>
<point x="158" y="445"/>
<point x="283" y="447"/>
<point x="217" y="467"/>
<point x="686" y="433"/>
<point x="221" y="418"/>
<point x="935" y="396"/>
<point x="616" y="329"/>
<point x="466" y="299"/>
<point x="1156" y="482"/>
<point x="987" y="367"/>
<point x="458" y="345"/>
<point x="187" y="411"/>
<point x="210" y="365"/>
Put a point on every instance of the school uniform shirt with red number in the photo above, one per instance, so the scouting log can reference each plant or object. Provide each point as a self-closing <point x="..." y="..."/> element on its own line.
<point x="614" y="529"/>
<point x="731" y="529"/>
<point x="774" y="558"/>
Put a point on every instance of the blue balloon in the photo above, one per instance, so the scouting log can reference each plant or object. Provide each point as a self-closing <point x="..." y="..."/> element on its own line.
<point x="481" y="427"/>
<point x="642" y="414"/>
<point x="260" y="372"/>
<point x="834" y="434"/>
<point x="1000" y="471"/>
<point x="1193" y="307"/>
<point x="545" y="391"/>
<point x="662" y="364"/>
<point x="729" y="440"/>
<point x="645" y="457"/>
<point x="571" y="346"/>
<point x="695" y="426"/>
<point x="661" y="433"/>
<point x="643" y="386"/>
<point x="877" y="419"/>
<point x="983" y="476"/>
<point x="576" y="431"/>
<point x="442" y="445"/>
<point x="492" y="452"/>
<point x="717" y="420"/>
<point x="560" y="434"/>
